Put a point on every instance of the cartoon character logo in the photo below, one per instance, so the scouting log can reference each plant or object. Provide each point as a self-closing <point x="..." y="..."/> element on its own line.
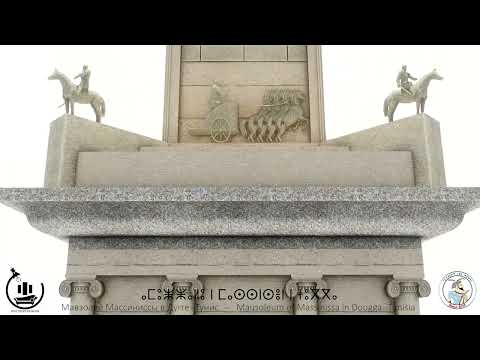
<point x="457" y="290"/>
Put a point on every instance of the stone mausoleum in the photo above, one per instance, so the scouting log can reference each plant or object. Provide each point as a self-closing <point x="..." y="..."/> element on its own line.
<point x="245" y="206"/>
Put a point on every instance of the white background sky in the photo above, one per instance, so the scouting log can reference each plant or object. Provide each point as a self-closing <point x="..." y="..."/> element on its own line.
<point x="131" y="79"/>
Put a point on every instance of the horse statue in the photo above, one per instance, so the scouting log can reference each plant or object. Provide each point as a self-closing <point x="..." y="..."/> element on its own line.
<point x="419" y="95"/>
<point x="72" y="94"/>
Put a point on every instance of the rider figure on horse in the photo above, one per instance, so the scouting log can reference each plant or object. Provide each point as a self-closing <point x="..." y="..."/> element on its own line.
<point x="403" y="81"/>
<point x="84" y="80"/>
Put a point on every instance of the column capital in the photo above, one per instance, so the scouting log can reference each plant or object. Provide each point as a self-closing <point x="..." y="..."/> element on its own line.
<point x="69" y="287"/>
<point x="294" y="285"/>
<point x="396" y="287"/>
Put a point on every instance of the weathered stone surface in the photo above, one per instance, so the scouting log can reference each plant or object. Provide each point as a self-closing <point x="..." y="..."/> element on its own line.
<point x="244" y="210"/>
<point x="222" y="53"/>
<point x="297" y="52"/>
<point x="265" y="52"/>
<point x="245" y="166"/>
<point x="248" y="147"/>
<point x="247" y="257"/>
<point x="245" y="73"/>
<point x="194" y="99"/>
<point x="190" y="52"/>
<point x="123" y="295"/>
<point x="404" y="271"/>
<point x="357" y="295"/>
<point x="419" y="134"/>
<point x="69" y="135"/>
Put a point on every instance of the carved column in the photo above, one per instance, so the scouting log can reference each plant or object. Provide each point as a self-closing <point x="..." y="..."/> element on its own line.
<point x="406" y="294"/>
<point x="306" y="295"/>
<point x="182" y="295"/>
<point x="82" y="294"/>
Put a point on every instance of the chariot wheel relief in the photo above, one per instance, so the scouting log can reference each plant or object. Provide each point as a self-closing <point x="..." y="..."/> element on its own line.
<point x="220" y="131"/>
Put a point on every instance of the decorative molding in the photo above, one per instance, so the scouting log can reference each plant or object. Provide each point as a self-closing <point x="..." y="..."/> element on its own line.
<point x="315" y="84"/>
<point x="395" y="288"/>
<point x="424" y="288"/>
<point x="94" y="288"/>
<point x="65" y="288"/>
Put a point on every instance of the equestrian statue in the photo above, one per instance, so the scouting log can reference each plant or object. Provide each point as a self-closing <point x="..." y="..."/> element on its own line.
<point x="409" y="92"/>
<point x="79" y="94"/>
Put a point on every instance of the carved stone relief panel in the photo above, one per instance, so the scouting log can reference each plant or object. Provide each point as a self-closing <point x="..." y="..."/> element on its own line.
<point x="244" y="93"/>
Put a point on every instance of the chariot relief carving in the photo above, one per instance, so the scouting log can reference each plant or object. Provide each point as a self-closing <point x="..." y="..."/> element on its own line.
<point x="281" y="111"/>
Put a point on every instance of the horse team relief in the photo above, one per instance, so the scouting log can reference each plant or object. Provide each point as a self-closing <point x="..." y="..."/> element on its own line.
<point x="282" y="110"/>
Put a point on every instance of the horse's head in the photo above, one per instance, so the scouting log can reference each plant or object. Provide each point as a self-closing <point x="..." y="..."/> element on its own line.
<point x="55" y="75"/>
<point x="435" y="75"/>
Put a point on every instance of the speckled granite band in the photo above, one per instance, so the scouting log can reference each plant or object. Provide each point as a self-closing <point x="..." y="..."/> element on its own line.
<point x="244" y="210"/>
<point x="250" y="242"/>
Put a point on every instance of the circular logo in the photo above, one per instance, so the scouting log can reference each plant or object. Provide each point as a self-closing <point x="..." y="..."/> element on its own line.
<point x="457" y="290"/>
<point x="22" y="294"/>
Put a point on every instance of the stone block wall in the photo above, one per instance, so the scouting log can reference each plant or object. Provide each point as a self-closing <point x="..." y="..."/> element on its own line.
<point x="248" y="71"/>
<point x="239" y="275"/>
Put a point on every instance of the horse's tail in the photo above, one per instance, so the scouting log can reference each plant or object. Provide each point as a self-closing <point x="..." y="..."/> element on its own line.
<point x="385" y="106"/>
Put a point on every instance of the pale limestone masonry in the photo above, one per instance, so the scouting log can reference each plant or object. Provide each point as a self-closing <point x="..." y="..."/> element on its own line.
<point x="266" y="53"/>
<point x="71" y="135"/>
<point x="419" y="134"/>
<point x="222" y="53"/>
<point x="248" y="70"/>
<point x="245" y="165"/>
<point x="190" y="52"/>
<point x="297" y="52"/>
<point x="397" y="147"/>
<point x="186" y="226"/>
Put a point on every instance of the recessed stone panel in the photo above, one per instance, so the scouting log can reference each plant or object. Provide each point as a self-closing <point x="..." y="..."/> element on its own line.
<point x="244" y="73"/>
<point x="250" y="165"/>
<point x="222" y="53"/>
<point x="297" y="52"/>
<point x="190" y="52"/>
<point x="265" y="52"/>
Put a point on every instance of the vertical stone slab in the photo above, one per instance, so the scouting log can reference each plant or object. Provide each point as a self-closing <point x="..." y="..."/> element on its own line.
<point x="315" y="83"/>
<point x="172" y="94"/>
<point x="70" y="135"/>
<point x="419" y="134"/>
